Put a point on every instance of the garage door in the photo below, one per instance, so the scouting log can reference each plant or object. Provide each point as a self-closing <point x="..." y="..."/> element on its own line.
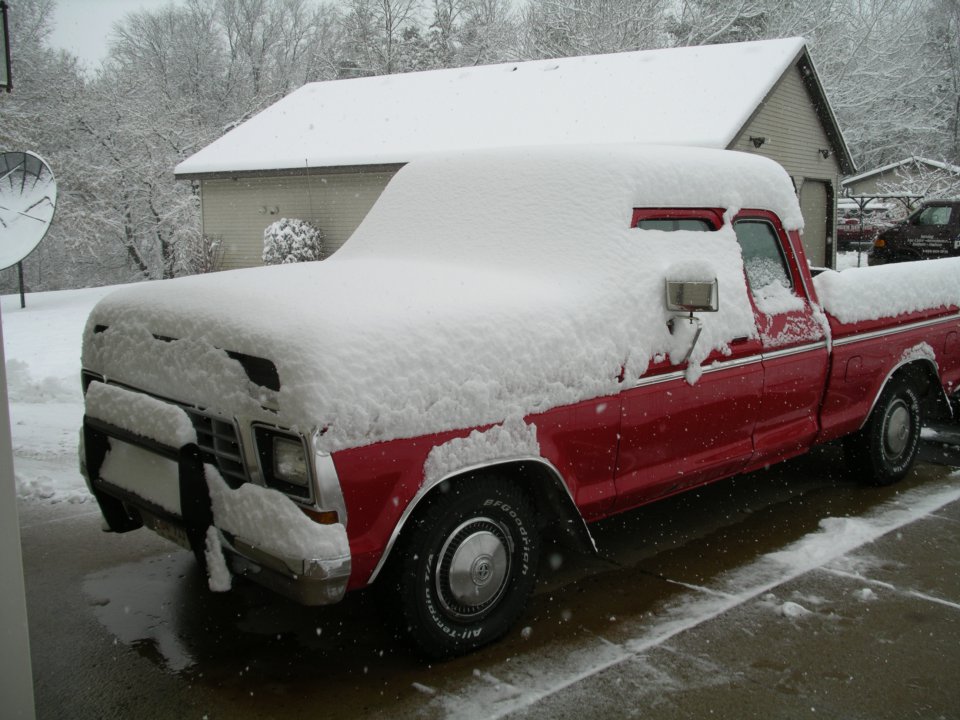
<point x="813" y="205"/>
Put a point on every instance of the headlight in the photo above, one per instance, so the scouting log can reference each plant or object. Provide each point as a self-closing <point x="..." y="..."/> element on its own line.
<point x="289" y="461"/>
<point x="283" y="460"/>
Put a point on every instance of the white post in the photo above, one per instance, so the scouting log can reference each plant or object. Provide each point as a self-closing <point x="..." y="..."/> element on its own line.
<point x="16" y="675"/>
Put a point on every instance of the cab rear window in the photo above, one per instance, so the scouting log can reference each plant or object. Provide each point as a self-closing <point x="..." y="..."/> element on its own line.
<point x="673" y="219"/>
<point x="673" y="224"/>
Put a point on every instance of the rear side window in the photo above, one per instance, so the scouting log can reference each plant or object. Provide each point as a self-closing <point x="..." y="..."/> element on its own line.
<point x="674" y="224"/>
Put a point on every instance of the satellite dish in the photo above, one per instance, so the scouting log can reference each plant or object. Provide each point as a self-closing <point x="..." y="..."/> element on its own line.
<point x="28" y="197"/>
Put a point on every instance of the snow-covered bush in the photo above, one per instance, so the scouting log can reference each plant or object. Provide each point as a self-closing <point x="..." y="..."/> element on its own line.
<point x="290" y="240"/>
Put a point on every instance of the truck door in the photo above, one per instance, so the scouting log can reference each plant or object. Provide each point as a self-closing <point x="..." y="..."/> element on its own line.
<point x="675" y="435"/>
<point x="794" y="348"/>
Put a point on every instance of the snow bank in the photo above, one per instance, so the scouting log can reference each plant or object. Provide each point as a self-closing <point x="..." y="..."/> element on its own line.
<point x="22" y="386"/>
<point x="42" y="346"/>
<point x="481" y="286"/>
<point x="859" y="294"/>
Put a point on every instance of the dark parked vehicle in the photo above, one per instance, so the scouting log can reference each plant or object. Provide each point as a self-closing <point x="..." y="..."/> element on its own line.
<point x="931" y="232"/>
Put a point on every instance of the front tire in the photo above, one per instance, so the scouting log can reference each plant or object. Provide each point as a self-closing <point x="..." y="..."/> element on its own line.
<point x="466" y="566"/>
<point x="883" y="451"/>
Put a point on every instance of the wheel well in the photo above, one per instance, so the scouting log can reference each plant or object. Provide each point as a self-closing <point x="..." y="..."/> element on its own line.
<point x="922" y="377"/>
<point x="539" y="480"/>
<point x="547" y="492"/>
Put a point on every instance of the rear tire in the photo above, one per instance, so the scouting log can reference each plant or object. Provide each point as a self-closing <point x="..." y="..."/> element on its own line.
<point x="465" y="567"/>
<point x="883" y="451"/>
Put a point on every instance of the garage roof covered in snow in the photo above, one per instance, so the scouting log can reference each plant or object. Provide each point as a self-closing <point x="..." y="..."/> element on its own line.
<point x="695" y="96"/>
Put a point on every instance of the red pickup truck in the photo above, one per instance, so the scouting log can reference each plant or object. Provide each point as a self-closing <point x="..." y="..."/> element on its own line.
<point x="511" y="340"/>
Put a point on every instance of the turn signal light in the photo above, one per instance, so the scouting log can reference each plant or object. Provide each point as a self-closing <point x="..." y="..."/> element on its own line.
<point x="322" y="517"/>
<point x="880" y="243"/>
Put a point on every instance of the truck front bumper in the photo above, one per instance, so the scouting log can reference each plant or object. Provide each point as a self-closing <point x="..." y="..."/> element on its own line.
<point x="164" y="488"/>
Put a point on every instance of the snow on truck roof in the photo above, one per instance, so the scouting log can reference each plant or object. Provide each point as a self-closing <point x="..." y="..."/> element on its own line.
<point x="493" y="283"/>
<point x="694" y="96"/>
<point x="537" y="203"/>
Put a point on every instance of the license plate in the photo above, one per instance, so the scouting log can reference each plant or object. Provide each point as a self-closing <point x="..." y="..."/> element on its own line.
<point x="168" y="530"/>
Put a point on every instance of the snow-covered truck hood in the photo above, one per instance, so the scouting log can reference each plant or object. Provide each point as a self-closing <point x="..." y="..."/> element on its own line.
<point x="479" y="287"/>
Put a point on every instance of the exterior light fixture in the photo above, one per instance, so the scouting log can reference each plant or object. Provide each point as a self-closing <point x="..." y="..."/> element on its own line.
<point x="824" y="153"/>
<point x="757" y="140"/>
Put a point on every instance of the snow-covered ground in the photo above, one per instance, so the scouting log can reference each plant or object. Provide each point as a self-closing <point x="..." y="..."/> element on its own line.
<point x="42" y="349"/>
<point x="851" y="259"/>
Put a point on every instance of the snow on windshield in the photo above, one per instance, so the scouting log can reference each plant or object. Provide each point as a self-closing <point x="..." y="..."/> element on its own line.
<point x="481" y="286"/>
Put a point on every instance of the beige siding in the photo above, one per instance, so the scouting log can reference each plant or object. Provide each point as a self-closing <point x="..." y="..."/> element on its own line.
<point x="238" y="210"/>
<point x="793" y="131"/>
<point x="794" y="137"/>
<point x="869" y="186"/>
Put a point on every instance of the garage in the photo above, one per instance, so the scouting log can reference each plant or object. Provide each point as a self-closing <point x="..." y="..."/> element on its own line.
<point x="325" y="152"/>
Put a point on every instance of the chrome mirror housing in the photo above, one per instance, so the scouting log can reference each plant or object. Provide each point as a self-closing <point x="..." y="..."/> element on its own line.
<point x="690" y="296"/>
<point x="693" y="296"/>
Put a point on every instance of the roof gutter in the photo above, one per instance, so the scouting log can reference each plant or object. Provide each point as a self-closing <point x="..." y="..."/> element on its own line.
<point x="292" y="172"/>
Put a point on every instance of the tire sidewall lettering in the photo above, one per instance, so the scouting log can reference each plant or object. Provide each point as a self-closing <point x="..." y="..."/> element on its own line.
<point x="890" y="468"/>
<point x="524" y="534"/>
<point x="521" y="543"/>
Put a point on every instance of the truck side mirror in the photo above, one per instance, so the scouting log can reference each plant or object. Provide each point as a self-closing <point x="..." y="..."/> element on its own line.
<point x="690" y="296"/>
<point x="695" y="296"/>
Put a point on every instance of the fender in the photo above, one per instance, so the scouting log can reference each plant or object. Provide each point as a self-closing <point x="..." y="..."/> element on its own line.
<point x="924" y="365"/>
<point x="582" y="531"/>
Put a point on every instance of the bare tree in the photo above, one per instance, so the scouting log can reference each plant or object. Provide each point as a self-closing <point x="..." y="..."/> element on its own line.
<point x="562" y="28"/>
<point x="489" y="33"/>
<point x="943" y="46"/>
<point x="374" y="34"/>
<point x="928" y="181"/>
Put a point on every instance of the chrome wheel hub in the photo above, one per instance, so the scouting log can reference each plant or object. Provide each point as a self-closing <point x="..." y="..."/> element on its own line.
<point x="473" y="567"/>
<point x="897" y="433"/>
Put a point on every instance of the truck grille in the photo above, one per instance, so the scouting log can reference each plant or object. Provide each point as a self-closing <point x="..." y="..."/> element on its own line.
<point x="219" y="445"/>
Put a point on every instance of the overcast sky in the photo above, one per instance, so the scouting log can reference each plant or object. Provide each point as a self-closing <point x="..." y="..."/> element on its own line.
<point x="82" y="26"/>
